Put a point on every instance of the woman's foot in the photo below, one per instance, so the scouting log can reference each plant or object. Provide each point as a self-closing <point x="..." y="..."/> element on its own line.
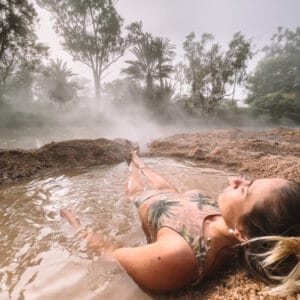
<point x="134" y="155"/>
<point x="133" y="151"/>
<point x="139" y="163"/>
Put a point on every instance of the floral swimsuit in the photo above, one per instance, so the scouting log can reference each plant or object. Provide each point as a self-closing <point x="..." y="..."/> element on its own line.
<point x="183" y="213"/>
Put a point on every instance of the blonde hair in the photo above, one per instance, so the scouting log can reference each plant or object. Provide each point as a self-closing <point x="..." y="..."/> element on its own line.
<point x="268" y="262"/>
<point x="273" y="228"/>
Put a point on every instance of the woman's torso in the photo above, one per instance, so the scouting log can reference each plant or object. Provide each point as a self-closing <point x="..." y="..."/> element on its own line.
<point x="182" y="212"/>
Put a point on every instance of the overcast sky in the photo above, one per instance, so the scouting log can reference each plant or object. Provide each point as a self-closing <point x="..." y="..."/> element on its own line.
<point x="175" y="19"/>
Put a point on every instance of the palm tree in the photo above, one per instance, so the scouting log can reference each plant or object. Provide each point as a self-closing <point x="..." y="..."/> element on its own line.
<point x="144" y="67"/>
<point x="57" y="82"/>
<point x="153" y="57"/>
<point x="165" y="54"/>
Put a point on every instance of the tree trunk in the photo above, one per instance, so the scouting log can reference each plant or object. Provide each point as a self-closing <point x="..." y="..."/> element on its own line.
<point x="161" y="83"/>
<point x="160" y="78"/>
<point x="149" y="85"/>
<point x="234" y="85"/>
<point x="97" y="85"/>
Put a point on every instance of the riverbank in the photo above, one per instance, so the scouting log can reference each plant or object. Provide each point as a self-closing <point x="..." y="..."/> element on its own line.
<point x="272" y="153"/>
<point x="16" y="164"/>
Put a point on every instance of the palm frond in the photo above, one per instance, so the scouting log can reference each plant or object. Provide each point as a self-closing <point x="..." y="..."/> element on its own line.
<point x="159" y="209"/>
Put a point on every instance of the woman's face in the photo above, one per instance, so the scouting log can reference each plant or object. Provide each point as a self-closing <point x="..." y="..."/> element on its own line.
<point x="241" y="195"/>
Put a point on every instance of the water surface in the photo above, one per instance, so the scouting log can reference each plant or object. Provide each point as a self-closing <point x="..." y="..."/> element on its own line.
<point x="40" y="257"/>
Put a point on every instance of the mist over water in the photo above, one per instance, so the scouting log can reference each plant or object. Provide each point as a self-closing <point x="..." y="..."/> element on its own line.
<point x="31" y="125"/>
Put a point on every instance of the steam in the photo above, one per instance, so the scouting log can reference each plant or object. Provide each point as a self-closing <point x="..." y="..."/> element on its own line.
<point x="26" y="123"/>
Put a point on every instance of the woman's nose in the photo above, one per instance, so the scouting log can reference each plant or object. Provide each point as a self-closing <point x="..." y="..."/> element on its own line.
<point x="233" y="181"/>
<point x="236" y="181"/>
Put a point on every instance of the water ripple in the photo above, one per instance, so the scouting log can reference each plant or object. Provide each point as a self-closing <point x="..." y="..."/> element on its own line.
<point x="40" y="257"/>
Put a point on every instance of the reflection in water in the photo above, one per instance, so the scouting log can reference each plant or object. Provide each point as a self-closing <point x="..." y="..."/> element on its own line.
<point x="41" y="259"/>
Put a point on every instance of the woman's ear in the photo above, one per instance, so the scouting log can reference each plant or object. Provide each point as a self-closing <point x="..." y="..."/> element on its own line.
<point x="240" y="235"/>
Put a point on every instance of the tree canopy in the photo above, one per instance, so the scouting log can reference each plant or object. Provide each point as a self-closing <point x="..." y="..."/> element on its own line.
<point x="211" y="72"/>
<point x="152" y="61"/>
<point x="279" y="69"/>
<point x="91" y="32"/>
<point x="274" y="87"/>
<point x="19" y="49"/>
<point x="56" y="82"/>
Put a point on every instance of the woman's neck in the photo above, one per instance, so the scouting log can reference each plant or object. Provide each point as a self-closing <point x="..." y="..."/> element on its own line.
<point x="220" y="231"/>
<point x="221" y="243"/>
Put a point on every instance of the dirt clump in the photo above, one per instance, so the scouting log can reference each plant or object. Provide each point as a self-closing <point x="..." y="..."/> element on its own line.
<point x="272" y="153"/>
<point x="15" y="164"/>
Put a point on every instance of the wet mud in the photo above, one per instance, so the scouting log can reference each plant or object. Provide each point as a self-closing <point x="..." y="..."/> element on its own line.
<point x="16" y="164"/>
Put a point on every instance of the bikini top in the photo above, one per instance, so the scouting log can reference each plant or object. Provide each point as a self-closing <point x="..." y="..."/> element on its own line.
<point x="184" y="215"/>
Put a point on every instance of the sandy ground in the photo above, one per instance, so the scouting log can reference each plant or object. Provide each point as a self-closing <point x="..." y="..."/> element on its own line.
<point x="273" y="153"/>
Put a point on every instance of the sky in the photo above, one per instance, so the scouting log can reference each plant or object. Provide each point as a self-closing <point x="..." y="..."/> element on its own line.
<point x="175" y="19"/>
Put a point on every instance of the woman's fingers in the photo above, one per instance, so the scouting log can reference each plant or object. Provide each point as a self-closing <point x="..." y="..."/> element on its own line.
<point x="70" y="216"/>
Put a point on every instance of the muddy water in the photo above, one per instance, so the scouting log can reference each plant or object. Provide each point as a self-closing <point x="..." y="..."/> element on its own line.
<point x="39" y="256"/>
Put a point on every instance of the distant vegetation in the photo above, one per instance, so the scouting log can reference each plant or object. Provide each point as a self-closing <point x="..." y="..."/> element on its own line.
<point x="274" y="87"/>
<point x="201" y="86"/>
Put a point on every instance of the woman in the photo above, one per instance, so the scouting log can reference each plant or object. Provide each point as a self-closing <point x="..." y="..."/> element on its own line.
<point x="189" y="237"/>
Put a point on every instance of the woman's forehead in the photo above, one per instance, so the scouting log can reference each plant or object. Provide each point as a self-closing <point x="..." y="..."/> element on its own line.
<point x="265" y="185"/>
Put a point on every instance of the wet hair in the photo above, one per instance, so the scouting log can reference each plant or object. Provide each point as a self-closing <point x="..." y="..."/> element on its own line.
<point x="273" y="250"/>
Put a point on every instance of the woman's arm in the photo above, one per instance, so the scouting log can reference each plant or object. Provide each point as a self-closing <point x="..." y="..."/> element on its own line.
<point x="165" y="265"/>
<point x="95" y="242"/>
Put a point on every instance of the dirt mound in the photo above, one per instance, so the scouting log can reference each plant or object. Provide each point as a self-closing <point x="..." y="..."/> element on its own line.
<point x="256" y="153"/>
<point x="16" y="164"/>
<point x="273" y="153"/>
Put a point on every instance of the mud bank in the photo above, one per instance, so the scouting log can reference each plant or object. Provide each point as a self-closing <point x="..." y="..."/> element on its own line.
<point x="273" y="153"/>
<point x="252" y="153"/>
<point x="15" y="164"/>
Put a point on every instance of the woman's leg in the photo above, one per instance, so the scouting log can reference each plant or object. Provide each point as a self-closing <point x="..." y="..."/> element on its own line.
<point x="134" y="184"/>
<point x="155" y="181"/>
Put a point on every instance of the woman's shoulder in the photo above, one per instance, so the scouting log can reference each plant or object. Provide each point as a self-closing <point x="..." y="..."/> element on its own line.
<point x="170" y="254"/>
